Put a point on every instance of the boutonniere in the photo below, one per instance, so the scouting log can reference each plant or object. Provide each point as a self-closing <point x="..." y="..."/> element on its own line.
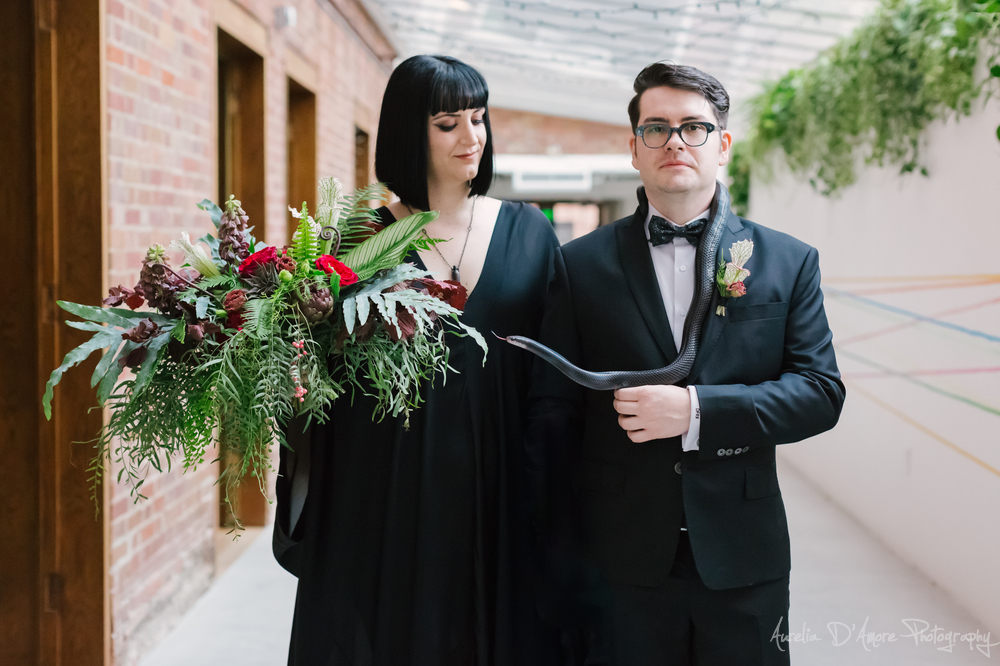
<point x="730" y="276"/>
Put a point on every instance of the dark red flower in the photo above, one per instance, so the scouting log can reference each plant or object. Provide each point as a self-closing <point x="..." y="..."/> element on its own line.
<point x="407" y="324"/>
<point x="330" y="265"/>
<point x="449" y="291"/>
<point x="134" y="358"/>
<point x="197" y="332"/>
<point x="142" y="331"/>
<point x="286" y="263"/>
<point x="268" y="255"/>
<point x="118" y="295"/>
<point x="234" y="301"/>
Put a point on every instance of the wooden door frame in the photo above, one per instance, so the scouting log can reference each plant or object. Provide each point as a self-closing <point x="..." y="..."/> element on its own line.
<point x="67" y="620"/>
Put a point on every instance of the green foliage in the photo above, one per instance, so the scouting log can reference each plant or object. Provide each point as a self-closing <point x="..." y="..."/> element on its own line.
<point x="357" y="214"/>
<point x="391" y="371"/>
<point x="305" y="242"/>
<point x="872" y="94"/>
<point x="739" y="175"/>
<point x="213" y="211"/>
<point x="197" y="387"/>
<point x="388" y="247"/>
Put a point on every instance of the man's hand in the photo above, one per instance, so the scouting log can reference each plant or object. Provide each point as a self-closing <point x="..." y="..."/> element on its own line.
<point x="653" y="412"/>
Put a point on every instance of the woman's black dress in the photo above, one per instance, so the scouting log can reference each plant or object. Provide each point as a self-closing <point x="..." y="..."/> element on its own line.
<point x="413" y="546"/>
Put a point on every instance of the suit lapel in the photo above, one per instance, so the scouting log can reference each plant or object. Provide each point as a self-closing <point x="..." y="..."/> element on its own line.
<point x="715" y="324"/>
<point x="637" y="265"/>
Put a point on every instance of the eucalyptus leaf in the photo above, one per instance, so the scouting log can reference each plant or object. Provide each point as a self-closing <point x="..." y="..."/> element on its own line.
<point x="213" y="210"/>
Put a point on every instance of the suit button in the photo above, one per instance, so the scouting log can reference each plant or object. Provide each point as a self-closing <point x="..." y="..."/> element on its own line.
<point x="729" y="452"/>
<point x="677" y="468"/>
<point x="721" y="452"/>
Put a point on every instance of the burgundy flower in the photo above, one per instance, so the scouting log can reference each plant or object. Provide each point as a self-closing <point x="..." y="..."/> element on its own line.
<point x="142" y="331"/>
<point x="449" y="291"/>
<point x="268" y="255"/>
<point x="118" y="295"/>
<point x="234" y="301"/>
<point x="406" y="322"/>
<point x="330" y="265"/>
<point x="134" y="358"/>
<point x="197" y="332"/>
<point x="286" y="263"/>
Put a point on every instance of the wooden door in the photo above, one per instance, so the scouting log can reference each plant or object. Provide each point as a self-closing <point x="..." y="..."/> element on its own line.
<point x="54" y="606"/>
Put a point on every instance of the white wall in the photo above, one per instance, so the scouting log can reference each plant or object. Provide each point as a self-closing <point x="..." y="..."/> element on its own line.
<point x="916" y="456"/>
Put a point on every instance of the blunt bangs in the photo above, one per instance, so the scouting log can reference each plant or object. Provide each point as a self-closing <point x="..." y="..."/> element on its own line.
<point x="455" y="89"/>
<point x="421" y="87"/>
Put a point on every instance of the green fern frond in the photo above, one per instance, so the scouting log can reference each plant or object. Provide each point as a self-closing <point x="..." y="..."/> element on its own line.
<point x="305" y="242"/>
<point x="357" y="214"/>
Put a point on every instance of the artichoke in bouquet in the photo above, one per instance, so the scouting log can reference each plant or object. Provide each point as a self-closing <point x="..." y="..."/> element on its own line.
<point x="315" y="302"/>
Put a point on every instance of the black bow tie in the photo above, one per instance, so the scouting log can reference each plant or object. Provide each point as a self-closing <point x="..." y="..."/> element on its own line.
<point x="662" y="231"/>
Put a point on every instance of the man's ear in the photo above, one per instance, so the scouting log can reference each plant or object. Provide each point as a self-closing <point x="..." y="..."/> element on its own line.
<point x="631" y="147"/>
<point x="725" y="146"/>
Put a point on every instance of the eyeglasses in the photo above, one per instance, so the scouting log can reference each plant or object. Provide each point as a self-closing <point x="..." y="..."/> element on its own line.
<point x="657" y="135"/>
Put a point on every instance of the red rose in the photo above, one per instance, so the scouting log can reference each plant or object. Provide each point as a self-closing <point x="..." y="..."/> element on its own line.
<point x="330" y="265"/>
<point x="737" y="289"/>
<point x="250" y="265"/>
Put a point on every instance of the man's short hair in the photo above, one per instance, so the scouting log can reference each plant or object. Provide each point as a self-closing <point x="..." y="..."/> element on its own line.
<point x="681" y="77"/>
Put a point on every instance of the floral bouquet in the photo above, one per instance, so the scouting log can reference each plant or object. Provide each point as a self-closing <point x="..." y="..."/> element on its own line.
<point x="242" y="338"/>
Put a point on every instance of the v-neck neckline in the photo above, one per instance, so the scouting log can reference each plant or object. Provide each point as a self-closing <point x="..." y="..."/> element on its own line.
<point x="489" y="251"/>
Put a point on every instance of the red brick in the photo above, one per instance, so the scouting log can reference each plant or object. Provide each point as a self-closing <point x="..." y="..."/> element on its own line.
<point x="116" y="54"/>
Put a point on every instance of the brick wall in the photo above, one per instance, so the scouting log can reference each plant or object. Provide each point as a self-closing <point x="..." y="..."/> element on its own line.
<point x="161" y="159"/>
<point x="527" y="133"/>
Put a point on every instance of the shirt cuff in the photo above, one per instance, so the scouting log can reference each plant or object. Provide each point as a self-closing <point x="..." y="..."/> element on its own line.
<point x="689" y="440"/>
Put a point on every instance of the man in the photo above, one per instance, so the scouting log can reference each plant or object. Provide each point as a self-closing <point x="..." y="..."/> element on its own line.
<point x="675" y="486"/>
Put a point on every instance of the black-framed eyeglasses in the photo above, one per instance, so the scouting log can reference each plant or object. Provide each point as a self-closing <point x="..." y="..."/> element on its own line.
<point x="656" y="135"/>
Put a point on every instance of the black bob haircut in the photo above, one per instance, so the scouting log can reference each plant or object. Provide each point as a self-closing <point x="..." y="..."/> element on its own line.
<point x="680" y="77"/>
<point x="420" y="87"/>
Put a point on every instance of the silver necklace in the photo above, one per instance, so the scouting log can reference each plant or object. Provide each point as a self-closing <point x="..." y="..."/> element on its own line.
<point x="456" y="274"/>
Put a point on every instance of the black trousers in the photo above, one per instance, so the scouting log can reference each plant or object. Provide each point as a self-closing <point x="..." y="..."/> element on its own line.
<point x="684" y="623"/>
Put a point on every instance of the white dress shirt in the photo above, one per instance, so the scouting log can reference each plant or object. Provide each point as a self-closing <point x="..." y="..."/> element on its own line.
<point x="674" y="265"/>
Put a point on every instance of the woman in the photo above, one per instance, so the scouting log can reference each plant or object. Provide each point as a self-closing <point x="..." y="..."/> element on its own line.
<point x="413" y="543"/>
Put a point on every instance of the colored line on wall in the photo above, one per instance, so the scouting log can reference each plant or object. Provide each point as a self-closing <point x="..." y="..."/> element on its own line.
<point x="898" y="327"/>
<point x="924" y="429"/>
<point x="927" y="287"/>
<point x="930" y="387"/>
<point x="913" y="278"/>
<point x="915" y="373"/>
<point x="914" y="315"/>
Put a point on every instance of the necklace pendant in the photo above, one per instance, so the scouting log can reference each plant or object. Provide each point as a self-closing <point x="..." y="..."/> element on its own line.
<point x="455" y="275"/>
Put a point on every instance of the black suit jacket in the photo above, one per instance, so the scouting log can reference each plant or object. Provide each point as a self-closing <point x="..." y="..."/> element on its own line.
<point x="765" y="372"/>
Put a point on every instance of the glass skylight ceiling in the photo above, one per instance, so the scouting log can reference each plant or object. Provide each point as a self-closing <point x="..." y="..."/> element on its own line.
<point x="578" y="58"/>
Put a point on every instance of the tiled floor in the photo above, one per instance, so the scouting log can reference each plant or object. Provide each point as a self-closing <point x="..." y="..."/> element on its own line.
<point x="842" y="577"/>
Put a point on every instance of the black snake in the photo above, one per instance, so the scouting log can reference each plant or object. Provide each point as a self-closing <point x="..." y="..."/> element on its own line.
<point x="705" y="268"/>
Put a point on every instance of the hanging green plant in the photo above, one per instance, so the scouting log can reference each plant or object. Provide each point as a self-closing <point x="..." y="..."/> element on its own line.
<point x="739" y="178"/>
<point x="872" y="94"/>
